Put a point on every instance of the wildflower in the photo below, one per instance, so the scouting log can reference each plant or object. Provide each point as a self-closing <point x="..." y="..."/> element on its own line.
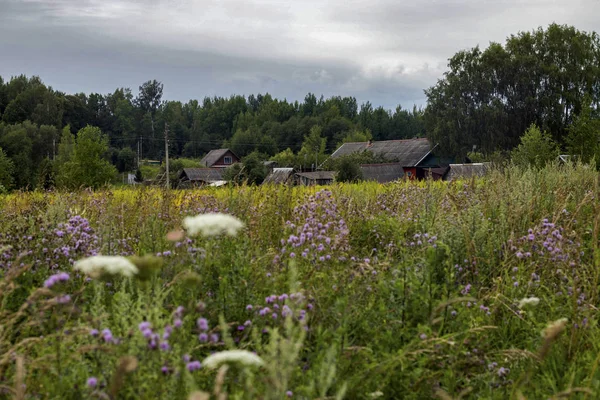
<point x="243" y="357"/>
<point x="214" y="338"/>
<point x="107" y="335"/>
<point x="423" y="336"/>
<point x="502" y="371"/>
<point x="529" y="301"/>
<point x="164" y="370"/>
<point x="56" y="278"/>
<point x="95" y="266"/>
<point x="203" y="337"/>
<point x="202" y="324"/>
<point x="289" y="393"/>
<point x="193" y="365"/>
<point x="63" y="299"/>
<point x="212" y="224"/>
<point x="94" y="332"/>
<point x="249" y="307"/>
<point x="92" y="382"/>
<point x="143" y="326"/>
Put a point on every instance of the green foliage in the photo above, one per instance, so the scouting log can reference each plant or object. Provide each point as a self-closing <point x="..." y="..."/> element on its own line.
<point x="583" y="140"/>
<point x="348" y="170"/>
<point x="7" y="169"/>
<point x="489" y="97"/>
<point x="139" y="177"/>
<point x="85" y="165"/>
<point x="536" y="149"/>
<point x="125" y="160"/>
<point x="251" y="170"/>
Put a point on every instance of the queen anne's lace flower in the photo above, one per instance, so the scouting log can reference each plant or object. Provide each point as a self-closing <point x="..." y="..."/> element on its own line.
<point x="529" y="301"/>
<point x="96" y="266"/>
<point x="242" y="357"/>
<point x="212" y="224"/>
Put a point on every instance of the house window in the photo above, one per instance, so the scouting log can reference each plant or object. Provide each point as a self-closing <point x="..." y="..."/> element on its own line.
<point x="227" y="160"/>
<point x="409" y="173"/>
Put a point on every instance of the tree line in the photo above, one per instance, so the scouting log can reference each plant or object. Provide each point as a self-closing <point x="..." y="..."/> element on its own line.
<point x="33" y="116"/>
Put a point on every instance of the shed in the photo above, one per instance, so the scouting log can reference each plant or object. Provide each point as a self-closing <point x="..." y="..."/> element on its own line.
<point x="280" y="176"/>
<point x="219" y="158"/>
<point x="189" y="177"/>
<point x="315" y="178"/>
<point x="382" y="173"/>
<point x="466" y="171"/>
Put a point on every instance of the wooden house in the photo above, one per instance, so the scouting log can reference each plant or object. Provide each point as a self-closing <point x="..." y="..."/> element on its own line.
<point x="219" y="158"/>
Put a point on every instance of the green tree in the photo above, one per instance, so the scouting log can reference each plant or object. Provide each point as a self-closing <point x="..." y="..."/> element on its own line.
<point x="583" y="140"/>
<point x="488" y="98"/>
<point x="313" y="147"/>
<point x="536" y="149"/>
<point x="251" y="170"/>
<point x="348" y="170"/>
<point x="125" y="160"/>
<point x="87" y="167"/>
<point x="149" y="99"/>
<point x="7" y="169"/>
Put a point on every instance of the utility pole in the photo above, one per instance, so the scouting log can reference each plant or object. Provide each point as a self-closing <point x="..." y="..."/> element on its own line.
<point x="167" y="152"/>
<point x="138" y="154"/>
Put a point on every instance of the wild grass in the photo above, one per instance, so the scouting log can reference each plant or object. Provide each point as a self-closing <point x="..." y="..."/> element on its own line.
<point x="411" y="290"/>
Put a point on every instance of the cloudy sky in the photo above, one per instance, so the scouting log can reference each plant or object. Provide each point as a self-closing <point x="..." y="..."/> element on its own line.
<point x="384" y="51"/>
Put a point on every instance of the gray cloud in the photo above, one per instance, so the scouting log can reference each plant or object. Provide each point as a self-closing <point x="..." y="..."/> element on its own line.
<point x="385" y="51"/>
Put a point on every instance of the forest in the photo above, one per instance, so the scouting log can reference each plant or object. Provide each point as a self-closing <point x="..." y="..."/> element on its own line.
<point x="486" y="100"/>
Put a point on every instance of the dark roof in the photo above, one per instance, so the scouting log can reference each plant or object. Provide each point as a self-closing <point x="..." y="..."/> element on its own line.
<point x="408" y="152"/>
<point x="279" y="175"/>
<point x="213" y="156"/>
<point x="461" y="171"/>
<point x="202" y="174"/>
<point x="382" y="173"/>
<point x="318" y="175"/>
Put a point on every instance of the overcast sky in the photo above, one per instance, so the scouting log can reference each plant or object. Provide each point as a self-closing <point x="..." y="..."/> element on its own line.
<point x="384" y="51"/>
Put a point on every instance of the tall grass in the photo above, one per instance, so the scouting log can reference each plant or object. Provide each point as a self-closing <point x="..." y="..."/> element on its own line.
<point x="411" y="290"/>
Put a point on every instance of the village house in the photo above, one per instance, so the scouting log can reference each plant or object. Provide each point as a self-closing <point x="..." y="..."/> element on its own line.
<point x="406" y="158"/>
<point x="194" y="177"/>
<point x="219" y="158"/>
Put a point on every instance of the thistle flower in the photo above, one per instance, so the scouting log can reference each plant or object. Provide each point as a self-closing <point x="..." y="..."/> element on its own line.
<point x="194" y="365"/>
<point x="96" y="266"/>
<point x="212" y="224"/>
<point x="529" y="301"/>
<point x="243" y="357"/>
<point x="92" y="382"/>
<point x="56" y="278"/>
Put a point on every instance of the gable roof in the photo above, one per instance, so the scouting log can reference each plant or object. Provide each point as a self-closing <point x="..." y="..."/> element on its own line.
<point x="202" y="174"/>
<point x="382" y="173"/>
<point x="213" y="156"/>
<point x="279" y="175"/>
<point x="318" y="175"/>
<point x="408" y="152"/>
<point x="461" y="171"/>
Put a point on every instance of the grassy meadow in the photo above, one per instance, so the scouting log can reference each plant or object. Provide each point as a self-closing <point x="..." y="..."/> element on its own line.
<point x="479" y="289"/>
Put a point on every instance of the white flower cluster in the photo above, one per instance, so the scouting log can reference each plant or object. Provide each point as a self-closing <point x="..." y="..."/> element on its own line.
<point x="529" y="301"/>
<point x="242" y="357"/>
<point x="212" y="224"/>
<point x="112" y="265"/>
